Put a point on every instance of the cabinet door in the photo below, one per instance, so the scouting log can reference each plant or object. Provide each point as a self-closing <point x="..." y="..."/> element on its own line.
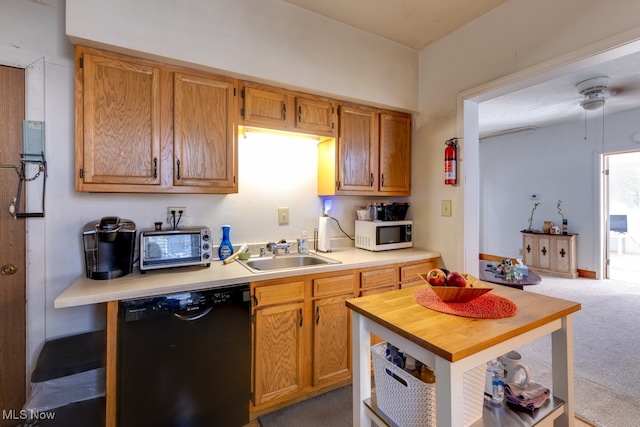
<point x="278" y="351"/>
<point x="395" y="153"/>
<point x="316" y="115"/>
<point x="204" y="137"/>
<point x="529" y="250"/>
<point x="331" y="339"/>
<point x="266" y="106"/>
<point x="562" y="255"/>
<point x="117" y="122"/>
<point x="544" y="255"/>
<point x="358" y="149"/>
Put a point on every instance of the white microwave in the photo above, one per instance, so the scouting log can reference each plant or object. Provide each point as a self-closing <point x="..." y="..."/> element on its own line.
<point x="384" y="235"/>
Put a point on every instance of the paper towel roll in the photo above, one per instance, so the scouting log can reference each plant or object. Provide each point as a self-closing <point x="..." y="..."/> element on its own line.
<point x="324" y="238"/>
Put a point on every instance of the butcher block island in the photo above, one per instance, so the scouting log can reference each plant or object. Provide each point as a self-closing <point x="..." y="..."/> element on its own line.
<point x="454" y="345"/>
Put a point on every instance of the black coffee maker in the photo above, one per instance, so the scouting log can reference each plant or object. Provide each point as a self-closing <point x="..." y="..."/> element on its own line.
<point x="108" y="247"/>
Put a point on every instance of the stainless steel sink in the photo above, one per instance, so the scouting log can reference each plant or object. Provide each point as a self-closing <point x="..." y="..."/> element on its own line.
<point x="285" y="262"/>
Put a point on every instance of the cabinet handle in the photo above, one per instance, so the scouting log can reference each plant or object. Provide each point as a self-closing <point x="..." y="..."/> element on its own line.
<point x="528" y="249"/>
<point x="371" y="180"/>
<point x="299" y="114"/>
<point x="562" y="253"/>
<point x="382" y="180"/>
<point x="544" y="250"/>
<point x="317" y="315"/>
<point x="284" y="111"/>
<point x="178" y="170"/>
<point x="300" y="315"/>
<point x="155" y="167"/>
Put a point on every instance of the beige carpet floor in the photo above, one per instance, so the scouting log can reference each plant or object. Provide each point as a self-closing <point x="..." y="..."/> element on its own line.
<point x="606" y="349"/>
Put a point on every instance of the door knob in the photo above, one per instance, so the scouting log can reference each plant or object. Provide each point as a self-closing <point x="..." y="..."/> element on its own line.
<point x="8" y="269"/>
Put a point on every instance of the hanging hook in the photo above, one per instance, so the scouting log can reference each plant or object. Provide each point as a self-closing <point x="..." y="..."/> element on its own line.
<point x="12" y="208"/>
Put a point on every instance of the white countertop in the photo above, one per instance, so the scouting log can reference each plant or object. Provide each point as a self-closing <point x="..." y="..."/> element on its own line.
<point x="86" y="291"/>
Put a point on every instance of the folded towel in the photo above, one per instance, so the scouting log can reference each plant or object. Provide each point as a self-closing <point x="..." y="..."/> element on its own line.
<point x="529" y="396"/>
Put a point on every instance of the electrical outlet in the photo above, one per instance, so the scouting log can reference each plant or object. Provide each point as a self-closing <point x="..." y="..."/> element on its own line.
<point x="283" y="216"/>
<point x="177" y="210"/>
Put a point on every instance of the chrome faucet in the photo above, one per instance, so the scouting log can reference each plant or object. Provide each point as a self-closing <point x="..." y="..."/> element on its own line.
<point x="282" y="244"/>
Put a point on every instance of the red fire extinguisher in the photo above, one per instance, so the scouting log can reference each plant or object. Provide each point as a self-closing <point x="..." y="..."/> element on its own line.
<point x="450" y="166"/>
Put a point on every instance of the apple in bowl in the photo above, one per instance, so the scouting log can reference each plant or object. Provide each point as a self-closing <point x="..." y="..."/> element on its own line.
<point x="436" y="277"/>
<point x="456" y="279"/>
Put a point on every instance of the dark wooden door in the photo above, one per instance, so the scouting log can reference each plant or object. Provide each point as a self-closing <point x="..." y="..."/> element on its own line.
<point x="12" y="249"/>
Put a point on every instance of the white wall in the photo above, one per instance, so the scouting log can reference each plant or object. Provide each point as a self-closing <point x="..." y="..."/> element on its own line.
<point x="521" y="36"/>
<point x="268" y="40"/>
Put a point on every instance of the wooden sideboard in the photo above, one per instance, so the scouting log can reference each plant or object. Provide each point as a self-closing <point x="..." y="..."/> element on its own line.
<point x="553" y="254"/>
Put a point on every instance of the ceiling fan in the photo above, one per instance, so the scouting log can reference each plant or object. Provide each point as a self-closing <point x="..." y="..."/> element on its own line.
<point x="595" y="92"/>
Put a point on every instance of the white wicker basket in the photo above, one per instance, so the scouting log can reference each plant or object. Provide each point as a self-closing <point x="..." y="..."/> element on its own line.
<point x="414" y="404"/>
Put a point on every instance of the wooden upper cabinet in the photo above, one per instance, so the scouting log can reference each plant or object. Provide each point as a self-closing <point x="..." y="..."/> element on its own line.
<point x="358" y="149"/>
<point x="372" y="155"/>
<point x="316" y="115"/>
<point x="264" y="105"/>
<point x="147" y="127"/>
<point x="395" y="153"/>
<point x="280" y="109"/>
<point x="202" y="130"/>
<point x="117" y="122"/>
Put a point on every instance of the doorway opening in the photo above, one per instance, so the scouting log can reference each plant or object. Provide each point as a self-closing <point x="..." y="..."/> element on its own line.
<point x="622" y="211"/>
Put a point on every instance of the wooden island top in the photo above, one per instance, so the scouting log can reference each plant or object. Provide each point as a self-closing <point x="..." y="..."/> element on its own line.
<point x="454" y="337"/>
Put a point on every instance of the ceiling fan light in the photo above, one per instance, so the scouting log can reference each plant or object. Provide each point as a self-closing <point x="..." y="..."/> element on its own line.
<point x="593" y="102"/>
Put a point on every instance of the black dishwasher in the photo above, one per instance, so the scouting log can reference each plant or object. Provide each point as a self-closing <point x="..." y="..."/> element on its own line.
<point x="184" y="359"/>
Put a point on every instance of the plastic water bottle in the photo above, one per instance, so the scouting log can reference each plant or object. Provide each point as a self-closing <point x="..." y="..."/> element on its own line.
<point x="496" y="370"/>
<point x="225" y="250"/>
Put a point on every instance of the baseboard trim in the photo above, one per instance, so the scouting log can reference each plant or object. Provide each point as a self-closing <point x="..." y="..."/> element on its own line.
<point x="587" y="274"/>
<point x="488" y="257"/>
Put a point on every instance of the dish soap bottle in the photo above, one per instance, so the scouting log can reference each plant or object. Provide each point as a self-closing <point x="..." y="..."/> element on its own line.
<point x="303" y="247"/>
<point x="225" y="250"/>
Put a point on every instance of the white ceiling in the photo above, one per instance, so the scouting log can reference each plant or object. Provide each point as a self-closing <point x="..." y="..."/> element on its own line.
<point x="413" y="23"/>
<point x="418" y="23"/>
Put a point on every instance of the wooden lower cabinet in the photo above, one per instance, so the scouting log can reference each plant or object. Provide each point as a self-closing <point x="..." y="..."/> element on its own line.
<point x="302" y="330"/>
<point x="332" y="329"/>
<point x="278" y="360"/>
<point x="279" y="337"/>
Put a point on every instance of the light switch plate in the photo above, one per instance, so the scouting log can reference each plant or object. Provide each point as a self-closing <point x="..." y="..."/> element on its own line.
<point x="283" y="216"/>
<point x="446" y="208"/>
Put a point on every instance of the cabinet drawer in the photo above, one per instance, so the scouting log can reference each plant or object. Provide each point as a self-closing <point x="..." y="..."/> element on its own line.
<point x="279" y="293"/>
<point x="409" y="273"/>
<point x="333" y="285"/>
<point x="365" y="292"/>
<point x="379" y="277"/>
